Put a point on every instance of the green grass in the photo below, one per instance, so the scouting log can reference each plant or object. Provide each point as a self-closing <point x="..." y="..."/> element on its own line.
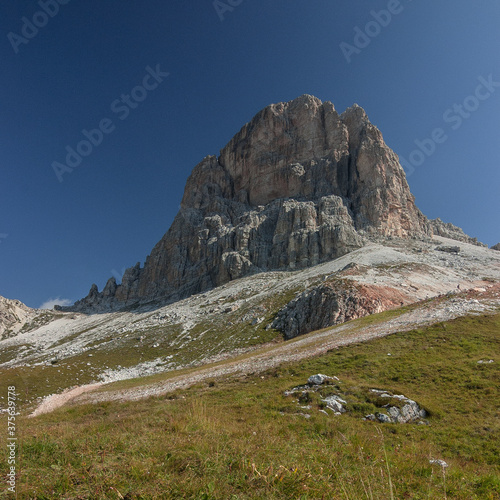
<point x="242" y="438"/>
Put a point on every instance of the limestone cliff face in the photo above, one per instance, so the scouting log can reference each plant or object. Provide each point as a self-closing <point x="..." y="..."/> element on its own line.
<point x="297" y="185"/>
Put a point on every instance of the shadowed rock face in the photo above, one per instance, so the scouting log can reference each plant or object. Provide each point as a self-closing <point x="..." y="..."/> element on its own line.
<point x="333" y="303"/>
<point x="297" y="185"/>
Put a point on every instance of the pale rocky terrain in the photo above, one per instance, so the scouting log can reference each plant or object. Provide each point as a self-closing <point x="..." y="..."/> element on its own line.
<point x="16" y="317"/>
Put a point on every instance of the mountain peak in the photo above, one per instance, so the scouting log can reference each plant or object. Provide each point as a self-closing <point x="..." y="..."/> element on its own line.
<point x="304" y="100"/>
<point x="355" y="111"/>
<point x="299" y="184"/>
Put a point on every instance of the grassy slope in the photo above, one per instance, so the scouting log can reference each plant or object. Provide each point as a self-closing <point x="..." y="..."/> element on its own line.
<point x="244" y="439"/>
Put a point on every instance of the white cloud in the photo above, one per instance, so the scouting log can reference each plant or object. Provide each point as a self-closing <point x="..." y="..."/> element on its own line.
<point x="49" y="304"/>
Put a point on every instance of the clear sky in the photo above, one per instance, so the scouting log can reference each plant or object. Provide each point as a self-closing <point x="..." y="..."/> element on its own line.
<point x="427" y="71"/>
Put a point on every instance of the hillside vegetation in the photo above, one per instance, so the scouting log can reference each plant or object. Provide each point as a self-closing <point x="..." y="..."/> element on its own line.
<point x="242" y="438"/>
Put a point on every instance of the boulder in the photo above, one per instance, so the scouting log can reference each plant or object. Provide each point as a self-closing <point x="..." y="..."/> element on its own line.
<point x="335" y="403"/>
<point x="400" y="409"/>
<point x="448" y="249"/>
<point x="319" y="379"/>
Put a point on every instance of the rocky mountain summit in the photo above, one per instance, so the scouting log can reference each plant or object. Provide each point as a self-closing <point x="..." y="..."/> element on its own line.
<point x="298" y="185"/>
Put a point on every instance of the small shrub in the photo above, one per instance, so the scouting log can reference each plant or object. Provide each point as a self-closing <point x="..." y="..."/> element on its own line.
<point x="362" y="408"/>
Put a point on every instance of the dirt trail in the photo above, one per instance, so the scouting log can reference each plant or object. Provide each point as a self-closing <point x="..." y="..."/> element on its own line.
<point x="54" y="401"/>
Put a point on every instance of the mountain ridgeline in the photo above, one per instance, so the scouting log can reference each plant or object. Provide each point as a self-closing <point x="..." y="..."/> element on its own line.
<point x="296" y="186"/>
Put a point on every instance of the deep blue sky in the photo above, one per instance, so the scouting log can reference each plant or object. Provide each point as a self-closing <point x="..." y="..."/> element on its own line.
<point x="57" y="238"/>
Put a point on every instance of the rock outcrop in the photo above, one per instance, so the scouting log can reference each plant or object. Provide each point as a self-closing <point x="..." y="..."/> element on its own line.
<point x="333" y="303"/>
<point x="297" y="186"/>
<point x="326" y="392"/>
<point x="448" y="230"/>
<point x="16" y="316"/>
<point x="398" y="410"/>
<point x="496" y="247"/>
<point x="448" y="249"/>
